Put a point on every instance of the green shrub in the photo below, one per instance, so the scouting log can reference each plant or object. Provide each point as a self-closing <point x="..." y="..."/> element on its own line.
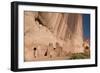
<point x="79" y="56"/>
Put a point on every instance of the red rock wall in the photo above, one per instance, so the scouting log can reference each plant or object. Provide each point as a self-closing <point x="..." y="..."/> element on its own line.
<point x="59" y="29"/>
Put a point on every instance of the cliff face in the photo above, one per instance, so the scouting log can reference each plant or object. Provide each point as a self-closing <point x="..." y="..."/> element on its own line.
<point x="49" y="35"/>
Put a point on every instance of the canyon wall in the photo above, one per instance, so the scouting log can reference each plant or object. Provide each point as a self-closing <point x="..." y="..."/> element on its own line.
<point x="52" y="34"/>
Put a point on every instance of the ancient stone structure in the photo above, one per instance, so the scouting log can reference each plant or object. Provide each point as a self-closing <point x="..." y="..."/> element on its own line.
<point x="51" y="35"/>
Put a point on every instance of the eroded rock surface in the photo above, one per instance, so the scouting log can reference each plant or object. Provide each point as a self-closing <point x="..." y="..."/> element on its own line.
<point x="52" y="35"/>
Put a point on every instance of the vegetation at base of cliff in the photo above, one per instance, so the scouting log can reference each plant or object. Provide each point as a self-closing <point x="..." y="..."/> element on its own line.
<point x="80" y="56"/>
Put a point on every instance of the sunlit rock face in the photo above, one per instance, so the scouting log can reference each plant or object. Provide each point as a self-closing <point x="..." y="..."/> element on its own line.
<point x="51" y="35"/>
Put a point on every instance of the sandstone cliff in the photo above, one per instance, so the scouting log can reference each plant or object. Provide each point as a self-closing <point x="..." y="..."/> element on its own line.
<point x="52" y="35"/>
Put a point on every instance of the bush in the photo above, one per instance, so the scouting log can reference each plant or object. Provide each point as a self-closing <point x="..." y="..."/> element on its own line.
<point x="79" y="56"/>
